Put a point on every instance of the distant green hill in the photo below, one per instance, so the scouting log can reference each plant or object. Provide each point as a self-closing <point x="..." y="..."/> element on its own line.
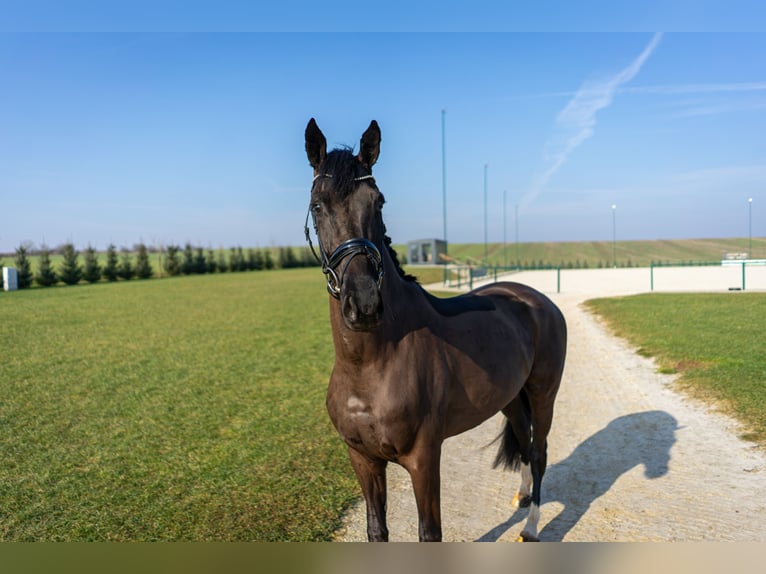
<point x="594" y="254"/>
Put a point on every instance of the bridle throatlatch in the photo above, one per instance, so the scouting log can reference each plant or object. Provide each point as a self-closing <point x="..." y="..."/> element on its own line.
<point x="346" y="250"/>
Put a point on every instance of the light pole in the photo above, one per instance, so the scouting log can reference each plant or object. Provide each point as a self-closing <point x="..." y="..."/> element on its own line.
<point x="444" y="181"/>
<point x="505" y="236"/>
<point x="518" y="259"/>
<point x="750" y="227"/>
<point x="444" y="200"/>
<point x="486" y="251"/>
<point x="614" y="235"/>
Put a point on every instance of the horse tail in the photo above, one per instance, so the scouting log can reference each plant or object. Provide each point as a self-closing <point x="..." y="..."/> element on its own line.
<point x="516" y="437"/>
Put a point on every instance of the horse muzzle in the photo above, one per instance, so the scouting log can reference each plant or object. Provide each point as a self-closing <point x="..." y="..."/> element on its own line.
<point x="355" y="282"/>
<point x="361" y="303"/>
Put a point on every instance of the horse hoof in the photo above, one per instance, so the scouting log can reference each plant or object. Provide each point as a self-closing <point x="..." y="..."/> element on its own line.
<point x="527" y="537"/>
<point x="520" y="501"/>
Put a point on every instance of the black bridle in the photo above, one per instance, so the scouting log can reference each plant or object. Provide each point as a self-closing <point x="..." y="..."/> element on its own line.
<point x="346" y="250"/>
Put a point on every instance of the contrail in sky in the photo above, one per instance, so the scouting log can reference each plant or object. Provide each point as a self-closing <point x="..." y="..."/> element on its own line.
<point x="577" y="121"/>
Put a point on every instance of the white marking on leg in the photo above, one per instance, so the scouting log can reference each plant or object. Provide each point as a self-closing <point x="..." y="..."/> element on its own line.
<point x="533" y="519"/>
<point x="526" y="485"/>
<point x="526" y="480"/>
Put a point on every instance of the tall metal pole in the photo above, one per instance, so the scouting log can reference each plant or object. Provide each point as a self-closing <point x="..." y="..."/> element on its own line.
<point x="444" y="181"/>
<point x="614" y="235"/>
<point x="518" y="259"/>
<point x="750" y="227"/>
<point x="444" y="199"/>
<point x="486" y="251"/>
<point x="505" y="239"/>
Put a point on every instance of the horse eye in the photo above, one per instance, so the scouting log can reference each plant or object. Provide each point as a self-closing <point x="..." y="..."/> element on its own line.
<point x="316" y="207"/>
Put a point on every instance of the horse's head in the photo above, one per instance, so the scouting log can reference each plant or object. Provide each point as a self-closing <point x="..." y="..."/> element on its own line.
<point x="346" y="210"/>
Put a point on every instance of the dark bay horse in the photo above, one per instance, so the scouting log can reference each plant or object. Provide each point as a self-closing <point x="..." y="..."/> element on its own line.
<point x="412" y="370"/>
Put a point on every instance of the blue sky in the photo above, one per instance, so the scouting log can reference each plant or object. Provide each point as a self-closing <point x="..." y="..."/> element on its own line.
<point x="176" y="136"/>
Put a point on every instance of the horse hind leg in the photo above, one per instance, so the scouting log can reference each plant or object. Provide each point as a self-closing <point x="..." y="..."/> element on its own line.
<point x="524" y="448"/>
<point x="538" y="394"/>
<point x="529" y="533"/>
<point x="515" y="450"/>
<point x="542" y="416"/>
<point x="523" y="496"/>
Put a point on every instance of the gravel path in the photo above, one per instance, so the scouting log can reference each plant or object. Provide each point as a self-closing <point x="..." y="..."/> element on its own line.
<point x="629" y="460"/>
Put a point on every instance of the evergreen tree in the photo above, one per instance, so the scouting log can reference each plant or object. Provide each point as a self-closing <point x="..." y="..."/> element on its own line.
<point x="125" y="269"/>
<point x="307" y="258"/>
<point x="233" y="263"/>
<point x="91" y="271"/>
<point x="287" y="258"/>
<point x="187" y="267"/>
<point x="223" y="266"/>
<point x="109" y="272"/>
<point x="251" y="262"/>
<point x="200" y="265"/>
<point x="257" y="260"/>
<point x="23" y="267"/>
<point x="268" y="261"/>
<point x="143" y="266"/>
<point x="241" y="263"/>
<point x="70" y="272"/>
<point x="46" y="276"/>
<point x="172" y="263"/>
<point x="210" y="264"/>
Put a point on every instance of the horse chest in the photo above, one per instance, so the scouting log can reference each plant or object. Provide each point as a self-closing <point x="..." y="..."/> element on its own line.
<point x="371" y="424"/>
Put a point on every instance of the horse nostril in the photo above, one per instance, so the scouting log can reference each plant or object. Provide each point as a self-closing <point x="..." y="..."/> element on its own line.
<point x="370" y="306"/>
<point x="350" y="310"/>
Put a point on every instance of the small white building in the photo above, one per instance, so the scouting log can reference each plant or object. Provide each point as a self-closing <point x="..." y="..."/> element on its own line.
<point x="10" y="279"/>
<point x="426" y="251"/>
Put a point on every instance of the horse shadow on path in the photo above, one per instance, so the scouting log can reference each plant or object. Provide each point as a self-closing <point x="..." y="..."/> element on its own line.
<point x="595" y="465"/>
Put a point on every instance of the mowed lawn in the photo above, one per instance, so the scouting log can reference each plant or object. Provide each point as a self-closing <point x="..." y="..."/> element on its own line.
<point x="176" y="409"/>
<point x="714" y="341"/>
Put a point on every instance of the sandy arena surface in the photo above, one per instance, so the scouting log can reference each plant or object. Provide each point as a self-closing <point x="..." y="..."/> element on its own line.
<point x="629" y="458"/>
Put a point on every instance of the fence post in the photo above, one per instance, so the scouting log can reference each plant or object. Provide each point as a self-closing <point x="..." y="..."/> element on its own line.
<point x="743" y="274"/>
<point x="470" y="278"/>
<point x="558" y="280"/>
<point x="651" y="276"/>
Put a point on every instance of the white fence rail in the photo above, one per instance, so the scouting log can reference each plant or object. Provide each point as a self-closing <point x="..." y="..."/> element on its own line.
<point x="742" y="276"/>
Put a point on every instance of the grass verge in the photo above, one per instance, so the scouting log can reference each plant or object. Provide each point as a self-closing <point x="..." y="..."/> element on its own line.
<point x="714" y="341"/>
<point x="180" y="409"/>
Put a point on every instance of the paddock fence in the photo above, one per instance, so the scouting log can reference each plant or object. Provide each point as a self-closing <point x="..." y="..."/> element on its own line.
<point x="747" y="275"/>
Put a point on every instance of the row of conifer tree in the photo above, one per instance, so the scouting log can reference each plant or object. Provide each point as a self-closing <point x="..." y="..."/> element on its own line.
<point x="125" y="265"/>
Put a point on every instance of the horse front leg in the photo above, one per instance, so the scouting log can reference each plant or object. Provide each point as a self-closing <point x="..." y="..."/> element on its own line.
<point x="371" y="474"/>
<point x="423" y="466"/>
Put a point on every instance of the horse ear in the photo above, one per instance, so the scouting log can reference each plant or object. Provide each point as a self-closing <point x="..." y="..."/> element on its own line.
<point x="369" y="145"/>
<point x="316" y="144"/>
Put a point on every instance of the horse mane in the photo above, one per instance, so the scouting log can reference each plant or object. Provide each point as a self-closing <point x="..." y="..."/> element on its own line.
<point x="341" y="164"/>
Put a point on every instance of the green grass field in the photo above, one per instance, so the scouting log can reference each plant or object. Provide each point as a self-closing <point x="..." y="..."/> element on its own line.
<point x="192" y="408"/>
<point x="715" y="342"/>
<point x="176" y="409"/>
<point x="601" y="253"/>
